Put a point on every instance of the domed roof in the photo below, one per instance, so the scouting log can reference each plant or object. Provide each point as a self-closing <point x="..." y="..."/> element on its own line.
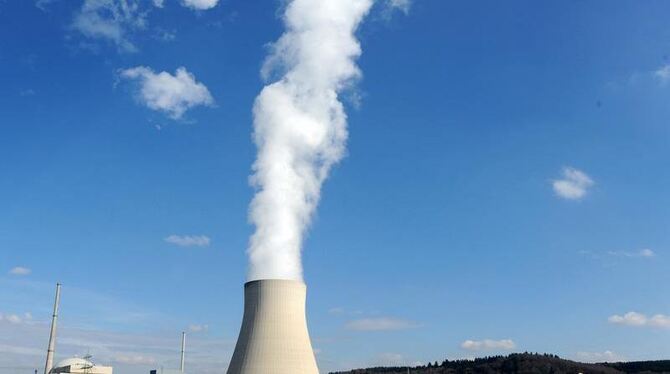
<point x="74" y="362"/>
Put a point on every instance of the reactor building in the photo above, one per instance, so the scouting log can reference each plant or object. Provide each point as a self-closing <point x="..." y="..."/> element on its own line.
<point x="80" y="366"/>
<point x="274" y="337"/>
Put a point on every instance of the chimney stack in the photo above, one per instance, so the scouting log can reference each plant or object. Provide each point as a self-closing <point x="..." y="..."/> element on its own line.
<point x="52" y="335"/>
<point x="183" y="349"/>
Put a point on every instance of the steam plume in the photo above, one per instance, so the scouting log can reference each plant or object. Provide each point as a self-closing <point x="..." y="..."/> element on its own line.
<point x="300" y="127"/>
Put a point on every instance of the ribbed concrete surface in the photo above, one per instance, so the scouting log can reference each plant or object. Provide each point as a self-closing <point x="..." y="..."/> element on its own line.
<point x="274" y="338"/>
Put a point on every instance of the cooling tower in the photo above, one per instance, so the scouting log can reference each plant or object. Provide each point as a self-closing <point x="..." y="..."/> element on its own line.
<point x="274" y="338"/>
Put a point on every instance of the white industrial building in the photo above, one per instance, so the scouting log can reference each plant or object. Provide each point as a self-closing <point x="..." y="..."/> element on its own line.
<point x="274" y="338"/>
<point x="79" y="366"/>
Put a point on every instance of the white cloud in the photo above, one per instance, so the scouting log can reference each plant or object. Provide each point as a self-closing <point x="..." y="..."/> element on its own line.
<point x="188" y="240"/>
<point x="488" y="344"/>
<point x="27" y="92"/>
<point x="401" y="5"/>
<point x="630" y="319"/>
<point x="135" y="359"/>
<point x="606" y="356"/>
<point x="574" y="184"/>
<point x="607" y="257"/>
<point x="636" y="319"/>
<point x="11" y="318"/>
<point x="116" y="21"/>
<point x="111" y="20"/>
<point x="20" y="270"/>
<point x="199" y="4"/>
<point x="663" y="74"/>
<point x="198" y="328"/>
<point x="165" y="35"/>
<point x="659" y="320"/>
<point x="336" y="310"/>
<point x="644" y="253"/>
<point x="43" y="4"/>
<point x="171" y="94"/>
<point x="380" y="324"/>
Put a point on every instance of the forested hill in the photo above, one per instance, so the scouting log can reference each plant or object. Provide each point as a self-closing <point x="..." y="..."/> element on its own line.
<point x="522" y="363"/>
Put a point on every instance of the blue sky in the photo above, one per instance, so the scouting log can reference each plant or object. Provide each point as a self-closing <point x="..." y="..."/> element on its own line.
<point x="504" y="189"/>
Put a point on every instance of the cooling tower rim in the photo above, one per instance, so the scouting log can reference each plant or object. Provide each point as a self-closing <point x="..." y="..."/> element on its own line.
<point x="271" y="280"/>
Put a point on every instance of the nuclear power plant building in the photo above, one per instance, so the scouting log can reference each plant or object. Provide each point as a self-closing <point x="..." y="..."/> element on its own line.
<point x="80" y="366"/>
<point x="274" y="338"/>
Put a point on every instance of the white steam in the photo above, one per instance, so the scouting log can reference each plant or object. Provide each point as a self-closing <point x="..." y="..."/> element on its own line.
<point x="300" y="127"/>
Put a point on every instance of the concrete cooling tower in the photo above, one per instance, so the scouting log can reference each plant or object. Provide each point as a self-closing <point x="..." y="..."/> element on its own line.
<point x="274" y="338"/>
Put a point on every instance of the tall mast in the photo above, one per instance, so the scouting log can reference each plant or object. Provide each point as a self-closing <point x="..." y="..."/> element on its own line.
<point x="52" y="334"/>
<point x="183" y="348"/>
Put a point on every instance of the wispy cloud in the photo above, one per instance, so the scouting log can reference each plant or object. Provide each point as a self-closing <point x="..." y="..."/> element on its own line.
<point x="642" y="253"/>
<point x="381" y="324"/>
<point x="43" y="4"/>
<point x="15" y="318"/>
<point x="11" y="318"/>
<point x="606" y="356"/>
<point x="27" y="92"/>
<point x="662" y="74"/>
<point x="188" y="240"/>
<point x="200" y="4"/>
<point x="164" y="35"/>
<point x="400" y="5"/>
<point x="336" y="310"/>
<point x="20" y="270"/>
<point x="171" y="94"/>
<point x="636" y="319"/>
<point x="198" y="328"/>
<point x="111" y="20"/>
<point x="134" y="359"/>
<point x="488" y="344"/>
<point x="646" y="253"/>
<point x="609" y="258"/>
<point x="119" y="22"/>
<point x="573" y="185"/>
